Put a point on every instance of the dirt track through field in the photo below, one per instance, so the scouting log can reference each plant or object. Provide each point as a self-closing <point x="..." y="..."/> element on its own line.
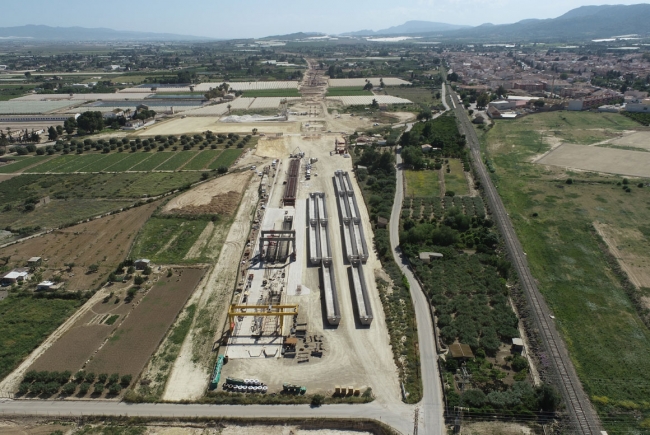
<point x="189" y="376"/>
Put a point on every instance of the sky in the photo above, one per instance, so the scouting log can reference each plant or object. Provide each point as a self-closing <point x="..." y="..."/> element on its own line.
<point x="258" y="18"/>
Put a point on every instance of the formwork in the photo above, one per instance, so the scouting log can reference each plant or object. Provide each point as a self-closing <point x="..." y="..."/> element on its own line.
<point x="292" y="183"/>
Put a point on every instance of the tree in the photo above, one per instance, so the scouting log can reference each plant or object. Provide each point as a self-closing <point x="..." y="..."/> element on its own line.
<point x="98" y="389"/>
<point x="425" y="114"/>
<point x="90" y="122"/>
<point x="539" y="104"/>
<point x="501" y="91"/>
<point x="126" y="380"/>
<point x="482" y="101"/>
<point x="547" y="398"/>
<point x="28" y="75"/>
<point x="453" y="77"/>
<point x="374" y="104"/>
<point x="52" y="134"/>
<point x="93" y="268"/>
<point x="368" y="86"/>
<point x="70" y="125"/>
<point x="83" y="388"/>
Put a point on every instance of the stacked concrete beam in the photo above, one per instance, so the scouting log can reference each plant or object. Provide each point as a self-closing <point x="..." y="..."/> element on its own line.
<point x="320" y="253"/>
<point x="356" y="249"/>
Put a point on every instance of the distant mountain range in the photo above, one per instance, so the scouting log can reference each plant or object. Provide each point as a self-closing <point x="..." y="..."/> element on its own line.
<point x="66" y="34"/>
<point x="585" y="22"/>
<point x="408" y="28"/>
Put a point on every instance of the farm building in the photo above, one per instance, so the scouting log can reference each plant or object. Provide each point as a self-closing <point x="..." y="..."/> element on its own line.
<point x="142" y="264"/>
<point x="13" y="277"/>
<point x="461" y="351"/>
<point x="517" y="345"/>
<point x="34" y="262"/>
<point x="48" y="286"/>
<point x="426" y="257"/>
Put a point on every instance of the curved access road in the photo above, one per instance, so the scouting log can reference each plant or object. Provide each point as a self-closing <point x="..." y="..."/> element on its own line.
<point x="584" y="417"/>
<point x="431" y="410"/>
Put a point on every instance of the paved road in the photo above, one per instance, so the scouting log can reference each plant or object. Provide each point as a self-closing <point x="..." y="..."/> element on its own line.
<point x="431" y="406"/>
<point x="399" y="417"/>
<point x="584" y="417"/>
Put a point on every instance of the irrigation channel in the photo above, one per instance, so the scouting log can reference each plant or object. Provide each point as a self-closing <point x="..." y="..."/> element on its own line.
<point x="583" y="416"/>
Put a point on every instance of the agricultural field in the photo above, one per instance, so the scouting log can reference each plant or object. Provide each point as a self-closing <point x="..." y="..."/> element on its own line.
<point x="25" y="321"/>
<point x="288" y="92"/>
<point x="427" y="97"/>
<point x="202" y="160"/>
<point x="422" y="183"/>
<point x="599" y="312"/>
<point x="177" y="161"/>
<point x="455" y="180"/>
<point x="79" y="196"/>
<point x="21" y="164"/>
<point x="167" y="240"/>
<point x="103" y="242"/>
<point x="226" y="158"/>
<point x="347" y="92"/>
<point x="151" y="163"/>
<point x="133" y="343"/>
<point x="87" y="334"/>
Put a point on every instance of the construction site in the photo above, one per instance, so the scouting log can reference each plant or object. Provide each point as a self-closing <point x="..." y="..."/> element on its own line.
<point x="306" y="311"/>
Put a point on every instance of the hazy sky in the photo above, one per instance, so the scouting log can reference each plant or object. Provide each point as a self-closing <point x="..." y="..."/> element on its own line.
<point x="258" y="18"/>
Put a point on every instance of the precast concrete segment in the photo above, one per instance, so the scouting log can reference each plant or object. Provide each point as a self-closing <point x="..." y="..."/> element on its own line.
<point x="360" y="292"/>
<point x="314" y="248"/>
<point x="332" y="309"/>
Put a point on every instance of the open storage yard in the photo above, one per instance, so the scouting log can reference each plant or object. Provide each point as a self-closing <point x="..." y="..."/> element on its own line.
<point x="366" y="100"/>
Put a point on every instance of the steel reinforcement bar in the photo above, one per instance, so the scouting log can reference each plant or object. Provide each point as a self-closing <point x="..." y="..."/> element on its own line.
<point x="583" y="415"/>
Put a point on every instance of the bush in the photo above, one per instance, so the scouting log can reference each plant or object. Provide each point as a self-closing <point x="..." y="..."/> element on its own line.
<point x="126" y="380"/>
<point x="519" y="363"/>
<point x="317" y="400"/>
<point x="115" y="389"/>
<point x="69" y="389"/>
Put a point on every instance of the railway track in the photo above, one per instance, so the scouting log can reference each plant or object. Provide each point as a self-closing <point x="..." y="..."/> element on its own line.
<point x="583" y="416"/>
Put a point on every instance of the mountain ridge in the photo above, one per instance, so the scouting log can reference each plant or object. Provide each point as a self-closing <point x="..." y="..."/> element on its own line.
<point x="39" y="32"/>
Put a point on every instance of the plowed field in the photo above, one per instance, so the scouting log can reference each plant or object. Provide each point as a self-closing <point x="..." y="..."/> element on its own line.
<point x="131" y="346"/>
<point x="104" y="242"/>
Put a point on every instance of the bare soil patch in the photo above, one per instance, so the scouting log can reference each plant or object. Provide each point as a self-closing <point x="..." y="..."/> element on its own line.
<point x="130" y="347"/>
<point x="14" y="428"/>
<point x="639" y="139"/>
<point x="104" y="242"/>
<point x="79" y="343"/>
<point x="607" y="160"/>
<point x="631" y="262"/>
<point x="495" y="428"/>
<point x="219" y="196"/>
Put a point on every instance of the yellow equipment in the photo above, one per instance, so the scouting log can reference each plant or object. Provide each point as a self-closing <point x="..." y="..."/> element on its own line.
<point x="261" y="311"/>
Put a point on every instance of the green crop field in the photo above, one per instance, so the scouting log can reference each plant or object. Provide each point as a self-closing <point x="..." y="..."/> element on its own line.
<point x="595" y="310"/>
<point x="80" y="163"/>
<point x="226" y="158"/>
<point x="455" y="180"/>
<point x="130" y="161"/>
<point x="177" y="160"/>
<point x="108" y="161"/>
<point x="291" y="92"/>
<point x="152" y="162"/>
<point x="422" y="183"/>
<point x="20" y="164"/>
<point x="347" y="92"/>
<point x="417" y="95"/>
<point x="202" y="160"/>
<point x="31" y="320"/>
<point x="53" y="164"/>
<point x="168" y="240"/>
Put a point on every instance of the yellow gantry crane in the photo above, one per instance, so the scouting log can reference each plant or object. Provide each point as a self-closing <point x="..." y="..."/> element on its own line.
<point x="261" y="311"/>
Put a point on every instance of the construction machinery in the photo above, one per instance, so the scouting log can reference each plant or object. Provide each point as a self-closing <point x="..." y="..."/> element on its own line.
<point x="293" y="389"/>
<point x="261" y="311"/>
